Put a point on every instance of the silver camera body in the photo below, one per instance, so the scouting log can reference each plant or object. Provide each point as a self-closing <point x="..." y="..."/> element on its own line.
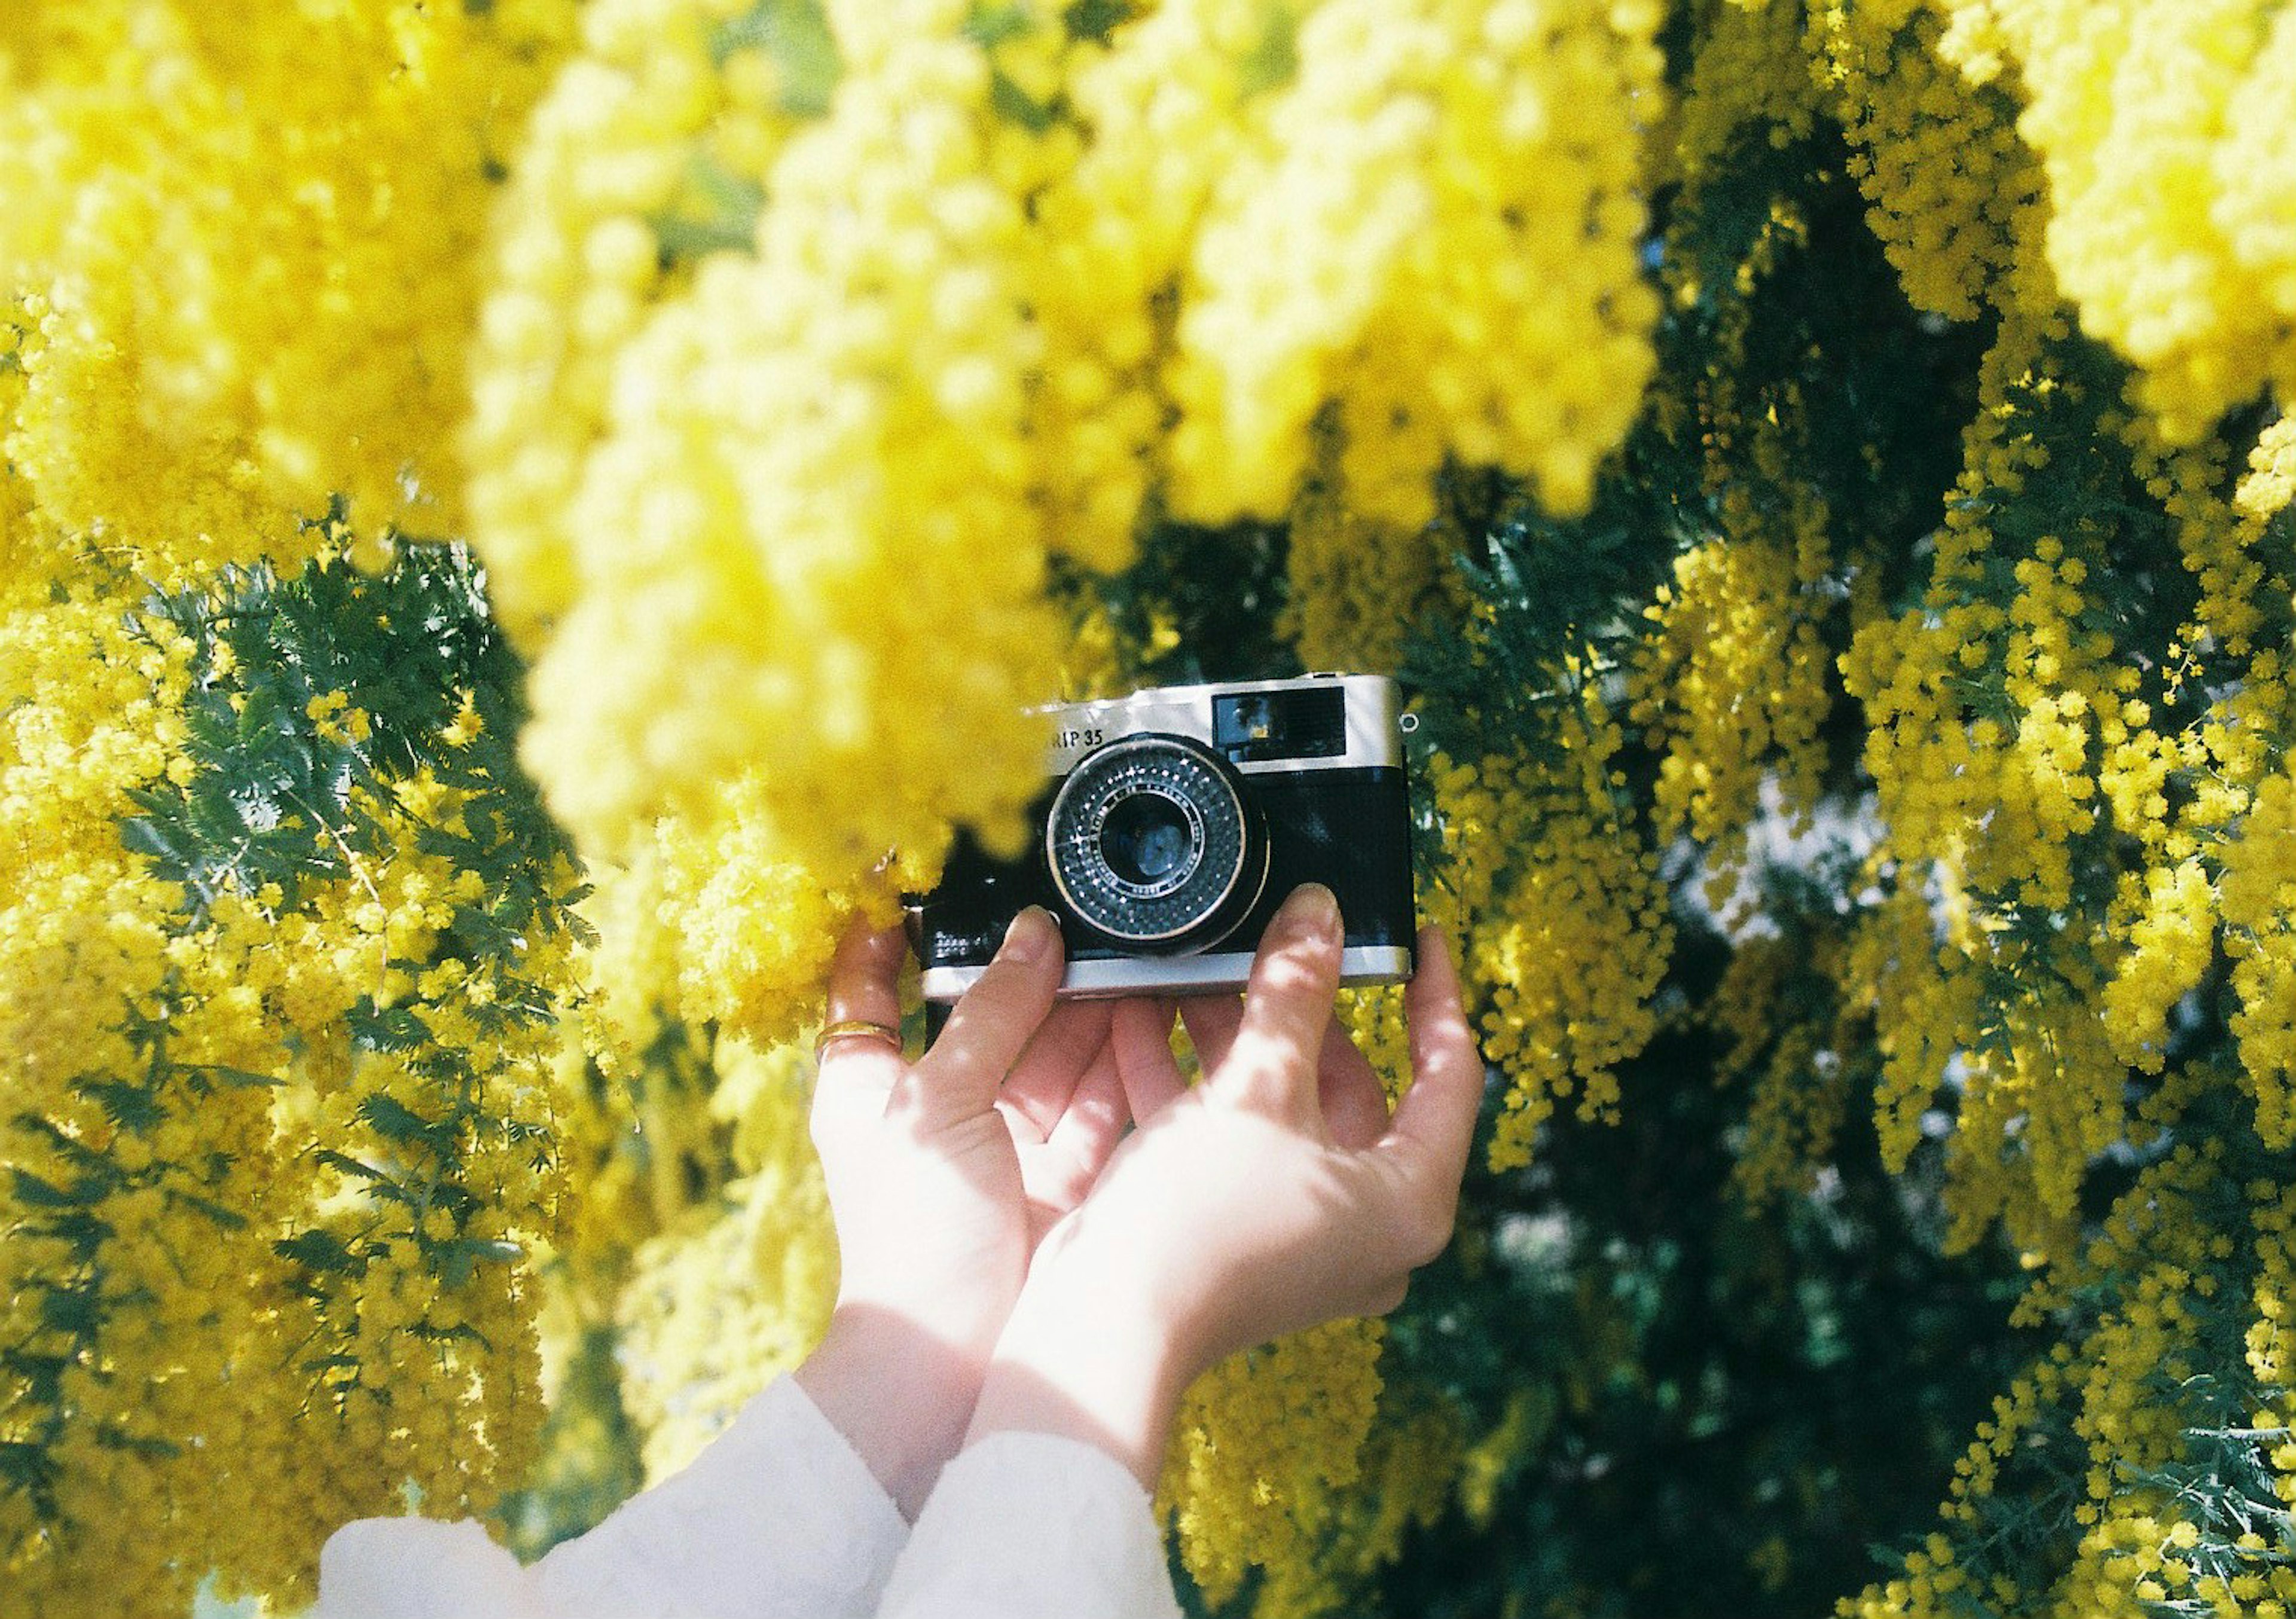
<point x="1173" y="823"/>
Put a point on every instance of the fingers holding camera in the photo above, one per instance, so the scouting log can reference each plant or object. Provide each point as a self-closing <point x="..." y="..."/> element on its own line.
<point x="1037" y="1093"/>
<point x="1057" y="1175"/>
<point x="1434" y="1125"/>
<point x="1349" y="1089"/>
<point x="1140" y="1035"/>
<point x="1212" y="1022"/>
<point x="1064" y="1105"/>
<point x="1349" y="1097"/>
<point x="864" y="996"/>
<point x="1272" y="1065"/>
<point x="992" y="1024"/>
<point x="1277" y="1194"/>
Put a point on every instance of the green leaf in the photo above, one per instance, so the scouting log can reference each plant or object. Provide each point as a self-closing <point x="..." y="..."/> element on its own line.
<point x="1096" y="20"/>
<point x="732" y="205"/>
<point x="461" y="1332"/>
<point x="990" y="26"/>
<point x="146" y="836"/>
<point x="77" y="1230"/>
<point x="146" y="1445"/>
<point x="1274" y="60"/>
<point x="43" y="1375"/>
<point x="33" y="1192"/>
<point x="385" y="1185"/>
<point x="1017" y="106"/>
<point x="321" y="1250"/>
<point x="76" y="1311"/>
<point x="237" y="1078"/>
<point x="229" y="1219"/>
<point x="26" y="1467"/>
<point x="74" y="1151"/>
<point x="796" y="34"/>
<point x="394" y="1121"/>
<point x="460" y="1256"/>
<point x="395" y="1029"/>
<point x="126" y="1106"/>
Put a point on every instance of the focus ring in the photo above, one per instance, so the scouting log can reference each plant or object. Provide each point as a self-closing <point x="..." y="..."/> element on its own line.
<point x="1153" y="840"/>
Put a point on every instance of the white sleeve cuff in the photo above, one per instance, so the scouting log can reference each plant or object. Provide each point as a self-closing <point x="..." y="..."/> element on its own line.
<point x="776" y="1519"/>
<point x="778" y="1516"/>
<point x="417" y="1568"/>
<point x="1033" y="1526"/>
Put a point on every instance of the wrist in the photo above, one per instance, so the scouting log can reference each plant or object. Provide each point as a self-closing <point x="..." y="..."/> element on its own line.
<point x="1091" y="1361"/>
<point x="901" y="1395"/>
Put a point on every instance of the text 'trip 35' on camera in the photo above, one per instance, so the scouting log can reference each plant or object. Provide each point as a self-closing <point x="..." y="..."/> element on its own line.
<point x="1173" y="823"/>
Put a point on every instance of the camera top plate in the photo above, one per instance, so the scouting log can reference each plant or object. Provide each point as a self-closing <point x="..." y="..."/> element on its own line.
<point x="1353" y="727"/>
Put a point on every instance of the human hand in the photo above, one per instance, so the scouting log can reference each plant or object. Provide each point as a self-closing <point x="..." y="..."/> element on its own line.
<point x="1277" y="1194"/>
<point x="942" y="1175"/>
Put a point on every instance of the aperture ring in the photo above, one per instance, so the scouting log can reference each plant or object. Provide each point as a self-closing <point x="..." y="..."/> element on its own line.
<point x="1225" y="843"/>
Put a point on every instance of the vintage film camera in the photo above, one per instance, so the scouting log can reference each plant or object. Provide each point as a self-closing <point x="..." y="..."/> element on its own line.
<point x="1173" y="824"/>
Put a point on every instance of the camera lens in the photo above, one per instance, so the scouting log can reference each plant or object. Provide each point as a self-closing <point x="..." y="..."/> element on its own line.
<point x="1148" y="837"/>
<point x="1153" y="841"/>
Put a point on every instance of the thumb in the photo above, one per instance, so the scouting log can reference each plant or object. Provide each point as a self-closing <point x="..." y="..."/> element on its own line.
<point x="1435" y="1120"/>
<point x="992" y="1024"/>
<point x="1270" y="1067"/>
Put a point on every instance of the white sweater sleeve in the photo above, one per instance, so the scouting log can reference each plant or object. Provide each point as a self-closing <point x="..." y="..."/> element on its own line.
<point x="777" y="1519"/>
<point x="1033" y="1526"/>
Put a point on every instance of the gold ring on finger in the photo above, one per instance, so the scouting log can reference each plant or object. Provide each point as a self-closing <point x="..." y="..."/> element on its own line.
<point x="856" y="1028"/>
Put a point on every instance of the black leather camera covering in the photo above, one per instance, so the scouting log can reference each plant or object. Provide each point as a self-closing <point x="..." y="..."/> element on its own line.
<point x="1349" y="829"/>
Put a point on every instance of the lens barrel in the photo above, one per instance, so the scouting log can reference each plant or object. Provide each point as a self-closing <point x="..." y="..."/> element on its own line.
<point x="1154" y="841"/>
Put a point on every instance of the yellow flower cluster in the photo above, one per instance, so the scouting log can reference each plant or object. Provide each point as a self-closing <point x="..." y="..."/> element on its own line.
<point x="2038" y="1088"/>
<point x="235" y="1232"/>
<point x="2275" y="1294"/>
<point x="19" y="535"/>
<point x="2258" y="899"/>
<point x="738" y="1289"/>
<point x="1956" y="195"/>
<point x="441" y="1325"/>
<point x="93" y="471"/>
<point x="1557" y="900"/>
<point x="2004" y="734"/>
<point x="1800" y="1089"/>
<point x="1359" y="587"/>
<point x="2007" y="733"/>
<point x="648" y="149"/>
<point x="1924" y="1010"/>
<point x="252" y="252"/>
<point x="2027" y="769"/>
<point x="1466" y="173"/>
<point x="1749" y="68"/>
<point x="839" y="571"/>
<point x="2162" y="1244"/>
<point x="1160" y="110"/>
<point x="961" y="343"/>
<point x="1731" y="688"/>
<point x="1407" y="1474"/>
<point x="84" y="949"/>
<point x="2163" y="126"/>
<point x="709" y="924"/>
<point x="1267" y="1445"/>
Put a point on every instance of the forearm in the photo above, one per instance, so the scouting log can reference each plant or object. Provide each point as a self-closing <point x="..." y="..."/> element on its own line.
<point x="1084" y="1363"/>
<point x="901" y="1397"/>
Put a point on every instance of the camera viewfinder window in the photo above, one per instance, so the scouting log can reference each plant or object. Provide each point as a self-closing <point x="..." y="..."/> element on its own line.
<point x="1312" y="725"/>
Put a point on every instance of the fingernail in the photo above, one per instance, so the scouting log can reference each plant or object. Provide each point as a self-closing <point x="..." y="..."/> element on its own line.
<point x="1313" y="912"/>
<point x="1030" y="937"/>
